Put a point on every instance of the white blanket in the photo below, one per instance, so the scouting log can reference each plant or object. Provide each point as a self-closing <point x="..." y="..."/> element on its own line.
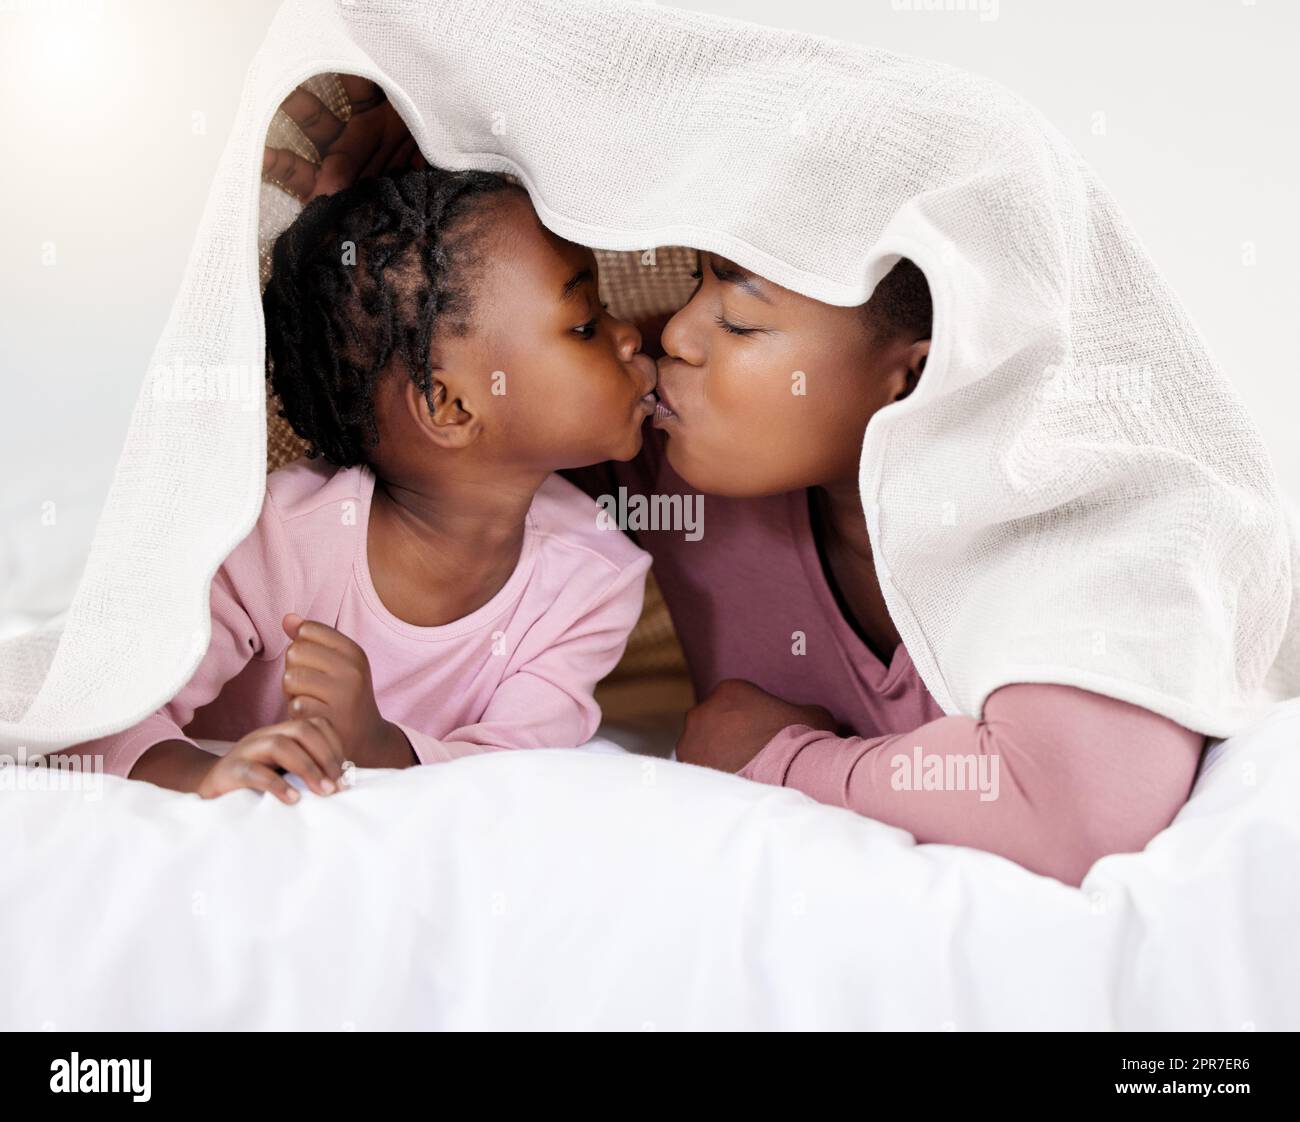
<point x="593" y="889"/>
<point x="1074" y="493"/>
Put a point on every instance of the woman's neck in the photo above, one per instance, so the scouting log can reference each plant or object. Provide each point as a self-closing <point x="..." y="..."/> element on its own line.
<point x="839" y="528"/>
<point x="841" y="518"/>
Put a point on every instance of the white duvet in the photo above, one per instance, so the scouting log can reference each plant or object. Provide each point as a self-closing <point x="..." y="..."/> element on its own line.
<point x="596" y="889"/>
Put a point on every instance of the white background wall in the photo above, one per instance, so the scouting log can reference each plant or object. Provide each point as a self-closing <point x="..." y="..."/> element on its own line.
<point x="115" y="112"/>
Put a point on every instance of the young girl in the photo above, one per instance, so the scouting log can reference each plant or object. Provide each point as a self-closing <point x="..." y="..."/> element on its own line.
<point x="431" y="589"/>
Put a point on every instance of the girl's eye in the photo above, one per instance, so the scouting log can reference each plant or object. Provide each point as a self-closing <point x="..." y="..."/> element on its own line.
<point x="732" y="329"/>
<point x="588" y="329"/>
<point x="697" y="275"/>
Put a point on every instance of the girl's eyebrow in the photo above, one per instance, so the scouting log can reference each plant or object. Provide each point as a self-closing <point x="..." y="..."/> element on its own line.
<point x="575" y="282"/>
<point x="734" y="274"/>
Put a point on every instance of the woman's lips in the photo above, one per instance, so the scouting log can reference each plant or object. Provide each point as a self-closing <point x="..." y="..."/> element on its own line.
<point x="664" y="411"/>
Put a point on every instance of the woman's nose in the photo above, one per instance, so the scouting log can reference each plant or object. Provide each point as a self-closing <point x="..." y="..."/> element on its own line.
<point x="680" y="339"/>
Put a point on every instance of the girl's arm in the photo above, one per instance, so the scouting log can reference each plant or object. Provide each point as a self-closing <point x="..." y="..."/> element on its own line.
<point x="1053" y="777"/>
<point x="249" y="595"/>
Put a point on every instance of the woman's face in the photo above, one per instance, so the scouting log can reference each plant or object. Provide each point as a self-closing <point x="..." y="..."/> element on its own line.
<point x="764" y="390"/>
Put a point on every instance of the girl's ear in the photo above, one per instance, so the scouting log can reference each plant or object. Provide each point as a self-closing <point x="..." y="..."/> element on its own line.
<point x="445" y="416"/>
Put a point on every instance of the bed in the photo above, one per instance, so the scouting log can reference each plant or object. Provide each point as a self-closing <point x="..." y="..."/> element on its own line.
<point x="597" y="888"/>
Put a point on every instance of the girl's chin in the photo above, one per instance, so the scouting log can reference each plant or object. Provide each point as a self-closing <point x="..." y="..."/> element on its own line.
<point x="631" y="446"/>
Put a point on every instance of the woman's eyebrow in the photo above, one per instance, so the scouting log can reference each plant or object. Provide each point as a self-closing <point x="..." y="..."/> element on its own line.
<point x="575" y="282"/>
<point x="733" y="274"/>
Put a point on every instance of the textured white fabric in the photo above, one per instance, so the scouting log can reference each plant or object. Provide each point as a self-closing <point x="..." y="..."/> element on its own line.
<point x="566" y="889"/>
<point x="1073" y="494"/>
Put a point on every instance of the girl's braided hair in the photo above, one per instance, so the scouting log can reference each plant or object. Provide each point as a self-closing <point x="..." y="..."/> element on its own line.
<point x="363" y="278"/>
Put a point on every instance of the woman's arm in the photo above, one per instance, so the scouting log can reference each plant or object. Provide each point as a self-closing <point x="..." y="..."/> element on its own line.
<point x="1053" y="777"/>
<point x="373" y="139"/>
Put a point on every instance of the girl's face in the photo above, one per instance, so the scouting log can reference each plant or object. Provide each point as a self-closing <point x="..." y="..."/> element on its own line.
<point x="764" y="390"/>
<point x="553" y="380"/>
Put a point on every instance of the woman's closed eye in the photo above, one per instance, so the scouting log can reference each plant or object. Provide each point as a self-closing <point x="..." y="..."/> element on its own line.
<point x="721" y="320"/>
<point x="737" y="328"/>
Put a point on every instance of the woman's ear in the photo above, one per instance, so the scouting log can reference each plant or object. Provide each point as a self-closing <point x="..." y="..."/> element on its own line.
<point x="910" y="368"/>
<point x="445" y="416"/>
<point x="903" y="364"/>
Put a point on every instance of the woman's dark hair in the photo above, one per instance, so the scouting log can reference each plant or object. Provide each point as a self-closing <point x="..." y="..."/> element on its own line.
<point x="901" y="303"/>
<point x="362" y="278"/>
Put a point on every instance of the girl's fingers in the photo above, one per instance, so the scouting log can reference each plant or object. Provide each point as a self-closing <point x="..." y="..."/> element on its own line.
<point x="313" y="656"/>
<point x="331" y="734"/>
<point x="318" y="124"/>
<point x="259" y="777"/>
<point x="315" y="632"/>
<point x="325" y="751"/>
<point x="289" y="753"/>
<point x="303" y="681"/>
<point x="308" y="708"/>
<point x="289" y="170"/>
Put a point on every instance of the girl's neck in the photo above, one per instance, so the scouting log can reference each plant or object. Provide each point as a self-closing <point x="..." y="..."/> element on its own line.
<point x="443" y="550"/>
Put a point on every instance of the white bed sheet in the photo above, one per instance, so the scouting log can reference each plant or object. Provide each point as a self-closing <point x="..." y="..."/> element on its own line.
<point x="592" y="888"/>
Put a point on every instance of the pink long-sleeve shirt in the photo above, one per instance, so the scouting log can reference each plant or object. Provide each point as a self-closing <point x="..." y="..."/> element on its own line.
<point x="1078" y="775"/>
<point x="517" y="672"/>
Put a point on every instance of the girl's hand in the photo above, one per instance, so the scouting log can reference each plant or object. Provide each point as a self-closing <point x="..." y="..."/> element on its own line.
<point x="372" y="140"/>
<point x="310" y="749"/>
<point x="734" y="723"/>
<point x="327" y="675"/>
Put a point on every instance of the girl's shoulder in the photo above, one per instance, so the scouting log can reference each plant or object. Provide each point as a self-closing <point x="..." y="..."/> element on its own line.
<point x="572" y="523"/>
<point x="305" y="486"/>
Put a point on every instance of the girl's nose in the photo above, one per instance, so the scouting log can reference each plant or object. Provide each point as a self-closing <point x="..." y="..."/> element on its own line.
<point x="628" y="336"/>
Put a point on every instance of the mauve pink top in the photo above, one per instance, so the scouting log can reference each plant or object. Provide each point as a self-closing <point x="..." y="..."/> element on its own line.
<point x="516" y="673"/>
<point x="1078" y="775"/>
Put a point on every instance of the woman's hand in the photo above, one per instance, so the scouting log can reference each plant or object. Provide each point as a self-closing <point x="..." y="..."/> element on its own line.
<point x="374" y="139"/>
<point x="328" y="675"/>
<point x="310" y="749"/>
<point x="734" y="723"/>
